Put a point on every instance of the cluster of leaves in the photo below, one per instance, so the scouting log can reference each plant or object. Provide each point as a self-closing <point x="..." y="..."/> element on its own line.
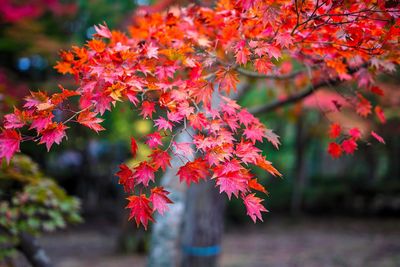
<point x="179" y="70"/>
<point x="12" y="11"/>
<point x="31" y="203"/>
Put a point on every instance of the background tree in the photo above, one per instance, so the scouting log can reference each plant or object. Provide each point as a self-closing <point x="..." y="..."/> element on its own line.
<point x="172" y="63"/>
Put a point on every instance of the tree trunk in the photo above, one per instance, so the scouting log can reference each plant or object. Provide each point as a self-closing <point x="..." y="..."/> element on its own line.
<point x="35" y="254"/>
<point x="299" y="170"/>
<point x="165" y="248"/>
<point x="204" y="223"/>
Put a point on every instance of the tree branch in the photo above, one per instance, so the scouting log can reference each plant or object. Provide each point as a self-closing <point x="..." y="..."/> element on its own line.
<point x="35" y="254"/>
<point x="253" y="74"/>
<point x="299" y="96"/>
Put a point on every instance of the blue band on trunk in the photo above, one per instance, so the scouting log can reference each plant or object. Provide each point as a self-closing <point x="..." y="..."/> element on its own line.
<point x="202" y="251"/>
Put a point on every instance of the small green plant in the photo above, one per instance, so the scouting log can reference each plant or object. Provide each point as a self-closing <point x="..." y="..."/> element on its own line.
<point x="31" y="203"/>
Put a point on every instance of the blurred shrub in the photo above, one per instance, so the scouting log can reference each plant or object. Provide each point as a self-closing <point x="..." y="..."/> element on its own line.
<point x="31" y="203"/>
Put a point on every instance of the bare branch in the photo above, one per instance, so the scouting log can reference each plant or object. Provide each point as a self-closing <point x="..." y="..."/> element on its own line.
<point x="299" y="96"/>
<point x="253" y="74"/>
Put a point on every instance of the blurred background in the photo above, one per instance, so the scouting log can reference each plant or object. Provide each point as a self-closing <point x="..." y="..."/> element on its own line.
<point x="324" y="212"/>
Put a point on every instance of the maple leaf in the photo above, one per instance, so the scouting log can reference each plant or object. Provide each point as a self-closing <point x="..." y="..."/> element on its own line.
<point x="140" y="210"/>
<point x="15" y="120"/>
<point x="284" y="40"/>
<point x="256" y="133"/>
<point x="242" y="55"/>
<point x="262" y="65"/>
<point x="355" y="133"/>
<point x="89" y="119"/>
<point x="103" y="31"/>
<point x="254" y="207"/>
<point x="148" y="108"/>
<point x="193" y="171"/>
<point x="266" y="165"/>
<point x="159" y="199"/>
<point x="151" y="50"/>
<point x="247" y="152"/>
<point x="376" y="90"/>
<point x="126" y="178"/>
<point x="163" y="124"/>
<point x="183" y="148"/>
<point x="272" y="138"/>
<point x="154" y="140"/>
<point x="377" y="137"/>
<point x="363" y="106"/>
<point x="232" y="183"/>
<point x="9" y="143"/>
<point x="160" y="159"/>
<point x="379" y="113"/>
<point x="349" y="146"/>
<point x="134" y="147"/>
<point x="227" y="79"/>
<point x="334" y="130"/>
<point x="42" y="121"/>
<point x="54" y="133"/>
<point x="274" y="52"/>
<point x="245" y="117"/>
<point x="335" y="150"/>
<point x="144" y="173"/>
<point x="253" y="184"/>
<point x="198" y="121"/>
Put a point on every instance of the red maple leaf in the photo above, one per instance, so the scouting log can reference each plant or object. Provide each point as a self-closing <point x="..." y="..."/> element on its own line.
<point x="90" y="120"/>
<point x="159" y="199"/>
<point x="160" y="159"/>
<point x="363" y="106"/>
<point x="254" y="207"/>
<point x="193" y="171"/>
<point x="134" y="147"/>
<point x="140" y="210"/>
<point x="334" y="130"/>
<point x="126" y="178"/>
<point x="227" y="79"/>
<point x="379" y="113"/>
<point x="148" y="108"/>
<point x="335" y="150"/>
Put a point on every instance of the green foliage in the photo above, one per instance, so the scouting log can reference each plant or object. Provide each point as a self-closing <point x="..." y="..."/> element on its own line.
<point x="31" y="203"/>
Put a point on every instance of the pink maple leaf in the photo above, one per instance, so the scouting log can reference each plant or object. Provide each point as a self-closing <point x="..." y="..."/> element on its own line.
<point x="144" y="173"/>
<point x="254" y="207"/>
<point x="163" y="124"/>
<point x="159" y="199"/>
<point x="154" y="140"/>
<point x="54" y="133"/>
<point x="9" y="144"/>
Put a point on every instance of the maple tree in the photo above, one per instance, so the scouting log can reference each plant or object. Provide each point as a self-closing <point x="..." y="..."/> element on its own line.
<point x="171" y="66"/>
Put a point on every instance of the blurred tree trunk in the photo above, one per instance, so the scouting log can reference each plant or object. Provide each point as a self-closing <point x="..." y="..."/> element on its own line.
<point x="35" y="254"/>
<point x="299" y="169"/>
<point x="204" y="223"/>
<point x="165" y="247"/>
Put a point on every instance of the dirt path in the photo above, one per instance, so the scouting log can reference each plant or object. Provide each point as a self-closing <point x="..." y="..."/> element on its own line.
<point x="319" y="243"/>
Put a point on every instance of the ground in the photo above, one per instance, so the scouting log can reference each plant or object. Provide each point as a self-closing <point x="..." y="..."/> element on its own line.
<point x="308" y="242"/>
